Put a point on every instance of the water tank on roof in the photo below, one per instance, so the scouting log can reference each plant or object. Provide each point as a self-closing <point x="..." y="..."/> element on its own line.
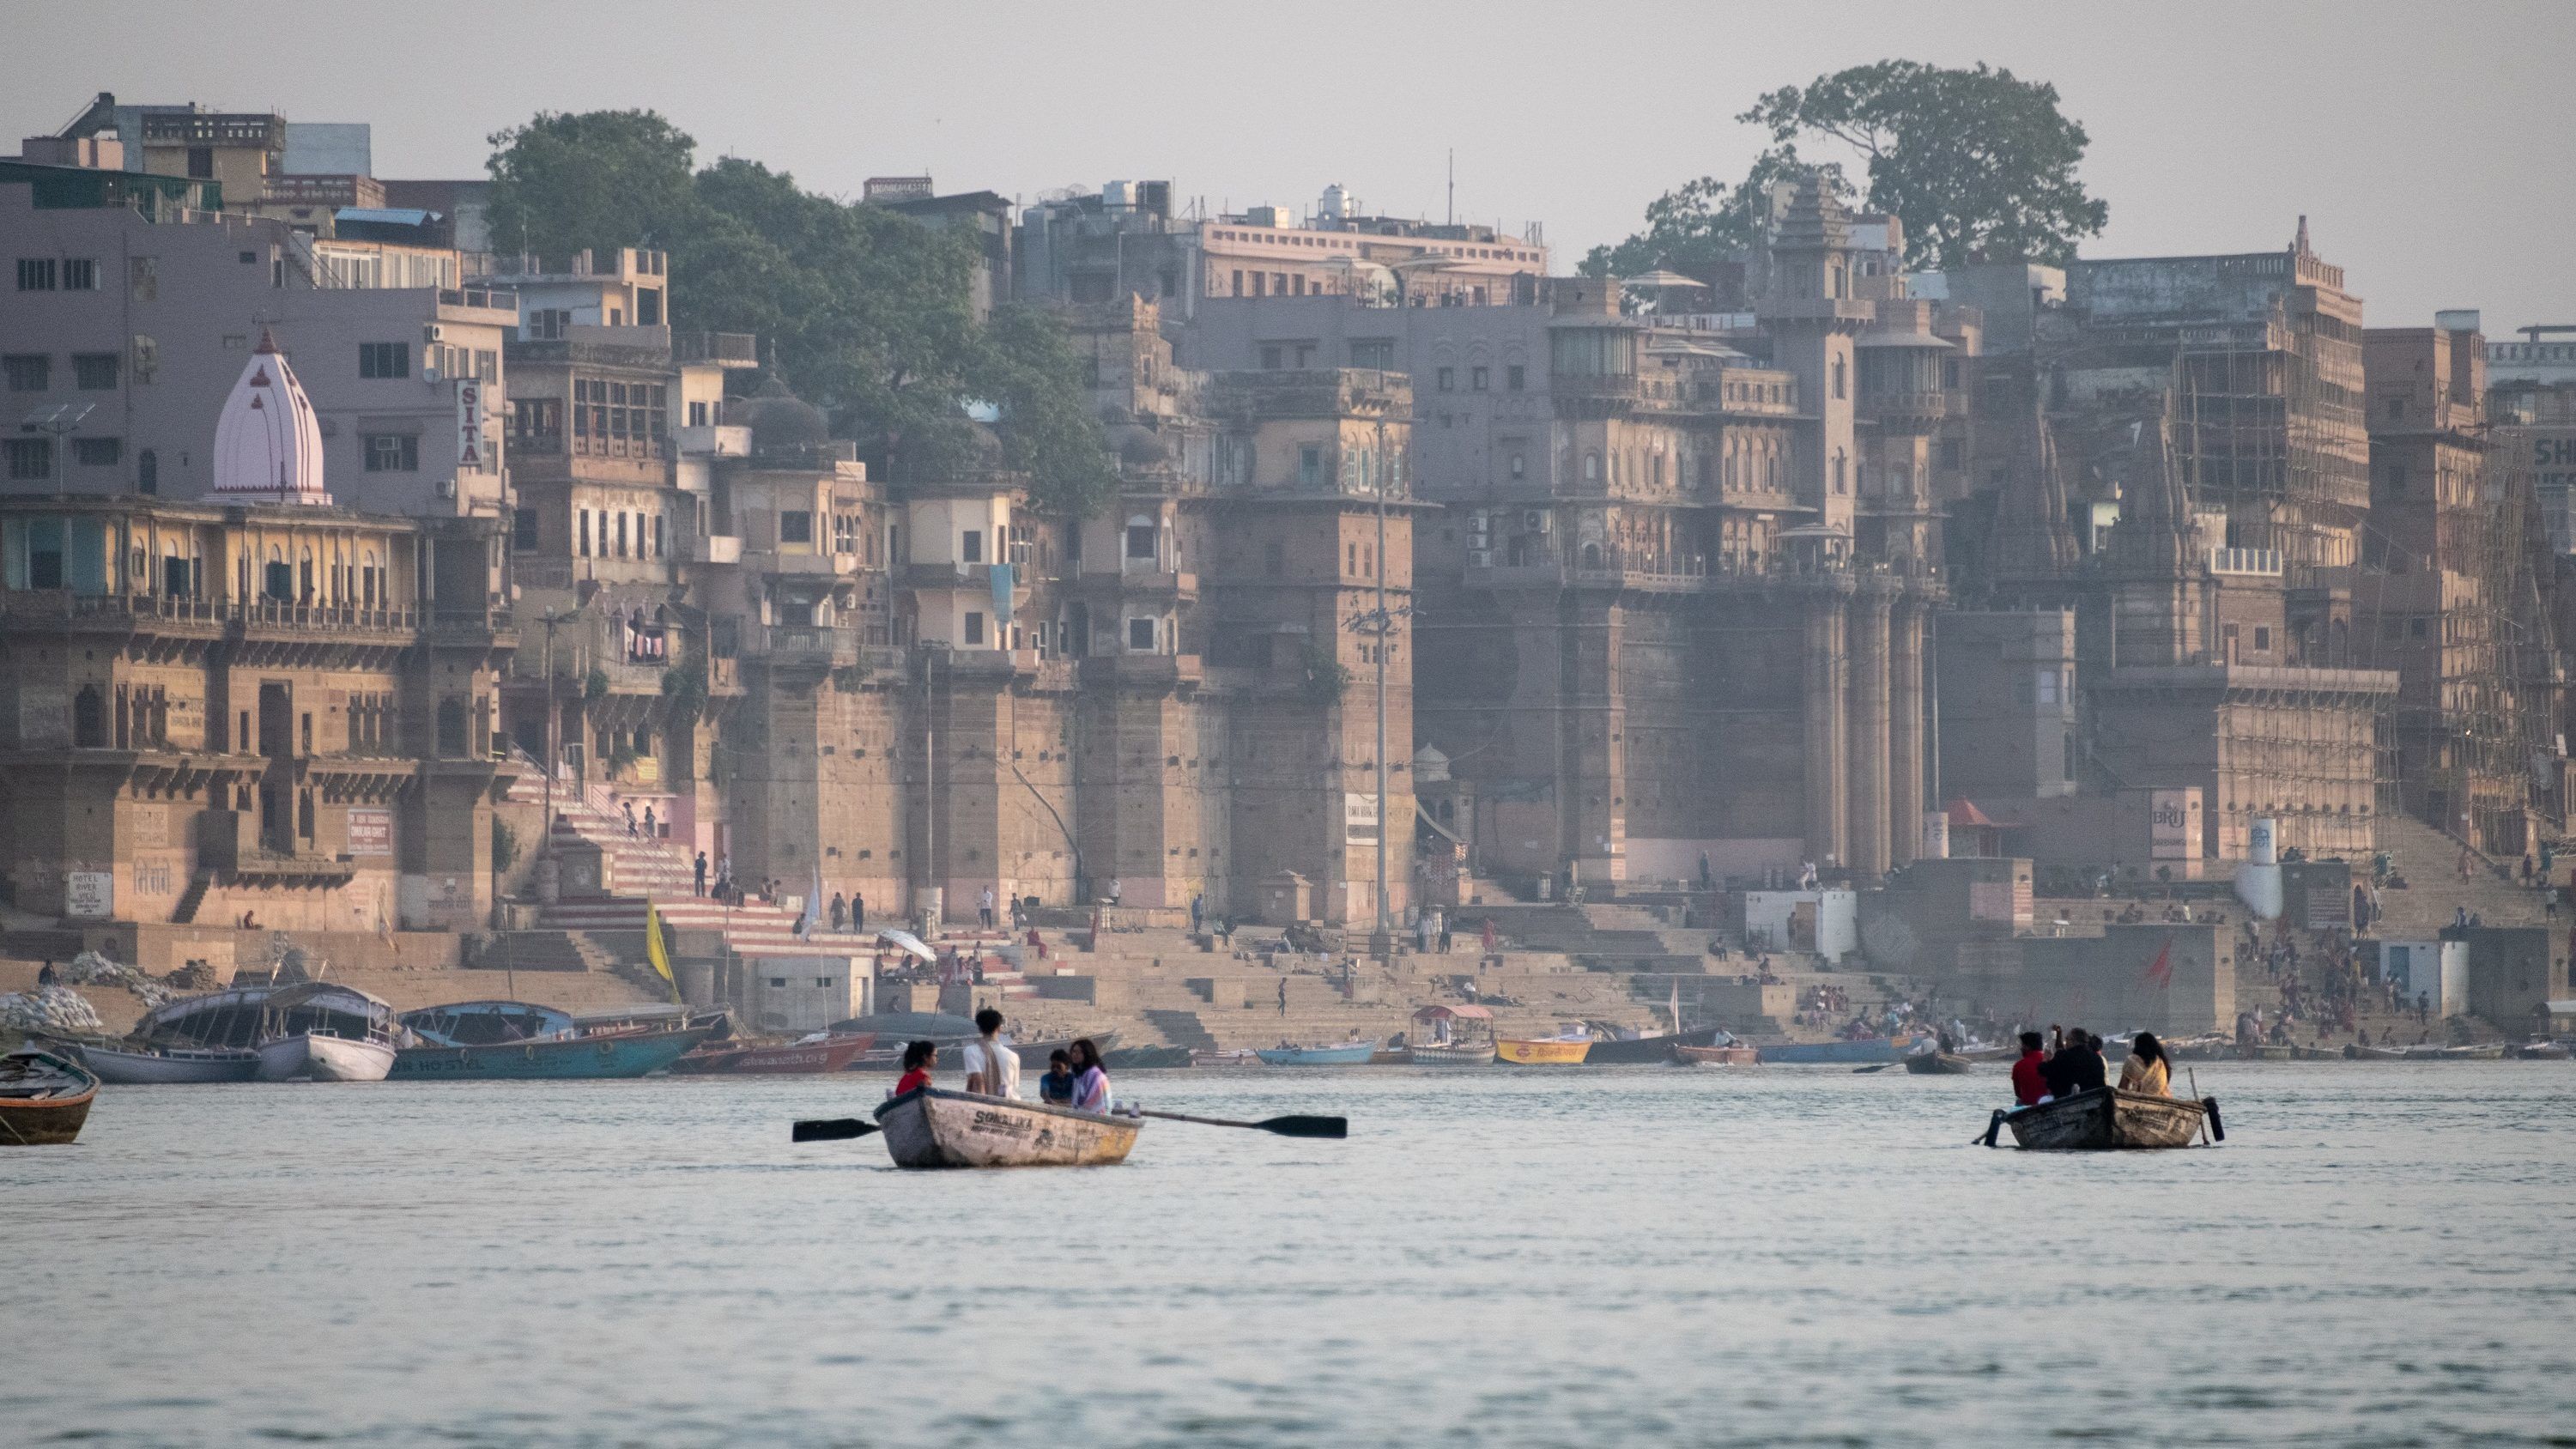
<point x="1337" y="203"/>
<point x="1117" y="196"/>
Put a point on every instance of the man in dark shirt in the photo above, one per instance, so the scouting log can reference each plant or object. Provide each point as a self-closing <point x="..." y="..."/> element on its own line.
<point x="2085" y="1070"/>
<point x="2029" y="1075"/>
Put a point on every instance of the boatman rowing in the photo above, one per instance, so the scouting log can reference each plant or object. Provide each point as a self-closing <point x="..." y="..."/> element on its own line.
<point x="992" y="1064"/>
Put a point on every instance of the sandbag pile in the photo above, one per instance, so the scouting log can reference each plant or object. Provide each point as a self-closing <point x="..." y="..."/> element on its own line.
<point x="50" y="1009"/>
<point x="89" y="968"/>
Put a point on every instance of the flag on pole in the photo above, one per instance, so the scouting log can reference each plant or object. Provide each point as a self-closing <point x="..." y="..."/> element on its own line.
<point x="1676" y="1007"/>
<point x="2160" y="970"/>
<point x="811" y="920"/>
<point x="653" y="951"/>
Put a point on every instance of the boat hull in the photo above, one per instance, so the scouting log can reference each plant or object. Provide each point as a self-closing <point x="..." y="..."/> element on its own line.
<point x="1450" y="1056"/>
<point x="1544" y="1053"/>
<point x="1835" y="1052"/>
<point x="1354" y="1055"/>
<point x="1647" y="1050"/>
<point x="1737" y="1055"/>
<point x="932" y="1127"/>
<point x="589" y="1058"/>
<point x="2105" y="1120"/>
<point x="796" y="1059"/>
<point x="172" y="1068"/>
<point x="1937" y="1064"/>
<point x="53" y="1118"/>
<point x="324" y="1059"/>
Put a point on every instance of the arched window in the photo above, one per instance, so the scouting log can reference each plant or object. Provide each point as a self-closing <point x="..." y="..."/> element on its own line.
<point x="1592" y="555"/>
<point x="89" y="718"/>
<point x="1839" y="366"/>
<point x="1591" y="466"/>
<point x="1839" y="461"/>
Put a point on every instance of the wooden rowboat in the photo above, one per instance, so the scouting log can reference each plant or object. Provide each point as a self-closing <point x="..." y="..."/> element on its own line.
<point x="123" y="1065"/>
<point x="2108" y="1118"/>
<point x="1450" y="1054"/>
<point x="1348" y="1054"/>
<point x="44" y="1098"/>
<point x="802" y="1058"/>
<point x="1734" y="1055"/>
<point x="1937" y="1064"/>
<point x="934" y="1127"/>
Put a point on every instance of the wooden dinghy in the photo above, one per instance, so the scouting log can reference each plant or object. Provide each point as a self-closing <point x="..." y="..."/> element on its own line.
<point x="44" y="1098"/>
<point x="935" y="1127"/>
<point x="1938" y="1064"/>
<point x="2108" y="1118"/>
<point x="1735" y="1054"/>
<point x="126" y="1066"/>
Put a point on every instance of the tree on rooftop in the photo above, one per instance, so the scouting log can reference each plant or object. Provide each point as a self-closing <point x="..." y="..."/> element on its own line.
<point x="598" y="179"/>
<point x="1701" y="227"/>
<point x="1972" y="161"/>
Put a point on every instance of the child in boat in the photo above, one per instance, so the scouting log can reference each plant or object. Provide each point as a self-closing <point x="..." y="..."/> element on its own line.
<point x="2145" y="1072"/>
<point x="918" y="1059"/>
<point x="1056" y="1087"/>
<point x="1090" y="1079"/>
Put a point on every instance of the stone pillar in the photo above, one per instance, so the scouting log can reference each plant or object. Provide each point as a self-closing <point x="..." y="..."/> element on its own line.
<point x="1905" y="732"/>
<point x="1867" y="730"/>
<point x="1826" y="781"/>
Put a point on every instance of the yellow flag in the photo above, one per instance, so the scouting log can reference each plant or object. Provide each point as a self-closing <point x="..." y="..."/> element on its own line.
<point x="653" y="949"/>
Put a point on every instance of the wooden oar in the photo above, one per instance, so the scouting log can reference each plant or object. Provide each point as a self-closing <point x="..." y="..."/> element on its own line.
<point x="830" y="1129"/>
<point x="1284" y="1126"/>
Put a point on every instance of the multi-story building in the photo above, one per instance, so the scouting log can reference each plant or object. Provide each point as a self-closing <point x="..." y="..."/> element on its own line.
<point x="255" y="708"/>
<point x="126" y="311"/>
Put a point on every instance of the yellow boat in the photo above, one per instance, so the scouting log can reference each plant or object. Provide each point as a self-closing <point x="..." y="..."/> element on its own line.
<point x="1545" y="1052"/>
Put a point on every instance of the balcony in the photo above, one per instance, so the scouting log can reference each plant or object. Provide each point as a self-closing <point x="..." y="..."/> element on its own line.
<point x="476" y="304"/>
<point x="822" y="646"/>
<point x="725" y="349"/>
<point x="707" y="548"/>
<point x="1151" y="671"/>
<point x="1919" y="411"/>
<point x="712" y="441"/>
<point x="2246" y="562"/>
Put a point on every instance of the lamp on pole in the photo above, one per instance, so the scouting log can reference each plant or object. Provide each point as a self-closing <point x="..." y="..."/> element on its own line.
<point x="1378" y="624"/>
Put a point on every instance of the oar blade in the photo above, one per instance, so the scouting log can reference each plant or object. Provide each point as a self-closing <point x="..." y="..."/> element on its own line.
<point x="1307" y="1126"/>
<point x="830" y="1129"/>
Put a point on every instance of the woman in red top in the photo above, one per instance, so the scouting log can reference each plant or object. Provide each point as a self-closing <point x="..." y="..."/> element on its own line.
<point x="2029" y="1085"/>
<point x="918" y="1059"/>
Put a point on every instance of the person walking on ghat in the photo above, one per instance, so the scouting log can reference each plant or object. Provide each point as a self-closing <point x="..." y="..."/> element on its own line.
<point x="984" y="909"/>
<point x="1283" y="996"/>
<point x="840" y="912"/>
<point x="699" y="871"/>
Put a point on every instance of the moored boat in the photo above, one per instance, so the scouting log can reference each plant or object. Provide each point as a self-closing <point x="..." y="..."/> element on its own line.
<point x="1641" y="1050"/>
<point x="1460" y="1036"/>
<point x="1873" y="1049"/>
<point x="604" y="1057"/>
<point x="1552" y="1051"/>
<point x="1347" y="1054"/>
<point x="1733" y="1054"/>
<point x="2542" y="1051"/>
<point x="795" y="1058"/>
<point x="319" y="1056"/>
<point x="44" y="1097"/>
<point x="934" y="1127"/>
<point x="167" y="1066"/>
<point x="2106" y="1118"/>
<point x="321" y="1030"/>
<point x="1937" y="1064"/>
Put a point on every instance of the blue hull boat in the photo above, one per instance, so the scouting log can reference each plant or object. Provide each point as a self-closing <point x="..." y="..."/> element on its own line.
<point x="1854" y="1052"/>
<point x="1355" y="1054"/>
<point x="583" y="1058"/>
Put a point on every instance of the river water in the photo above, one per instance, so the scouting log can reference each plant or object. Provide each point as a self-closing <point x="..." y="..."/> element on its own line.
<point x="2378" y="1255"/>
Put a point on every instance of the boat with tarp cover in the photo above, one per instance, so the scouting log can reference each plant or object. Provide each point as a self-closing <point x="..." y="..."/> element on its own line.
<point x="318" y="1030"/>
<point x="44" y="1097"/>
<point x="521" y="1041"/>
<point x="1460" y="1036"/>
<point x="935" y="1127"/>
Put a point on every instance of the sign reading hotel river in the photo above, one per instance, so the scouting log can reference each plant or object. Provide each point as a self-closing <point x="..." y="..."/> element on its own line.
<point x="371" y="831"/>
<point x="89" y="895"/>
<point x="469" y="425"/>
<point x="1359" y="819"/>
<point x="2173" y="824"/>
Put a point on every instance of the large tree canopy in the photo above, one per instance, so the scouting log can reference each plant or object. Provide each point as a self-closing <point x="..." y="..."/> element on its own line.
<point x="1971" y="161"/>
<point x="865" y="312"/>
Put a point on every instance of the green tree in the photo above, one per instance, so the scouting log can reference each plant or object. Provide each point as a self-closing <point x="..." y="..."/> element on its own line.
<point x="598" y="179"/>
<point x="1704" y="225"/>
<point x="1029" y="371"/>
<point x="1972" y="161"/>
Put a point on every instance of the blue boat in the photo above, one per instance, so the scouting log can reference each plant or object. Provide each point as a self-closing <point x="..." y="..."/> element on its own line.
<point x="1794" y="1053"/>
<point x="1350" y="1054"/>
<point x="570" y="1058"/>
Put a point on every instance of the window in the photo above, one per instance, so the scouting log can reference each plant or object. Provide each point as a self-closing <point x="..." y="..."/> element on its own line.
<point x="523" y="528"/>
<point x="657" y="535"/>
<point x="585" y="533"/>
<point x="1140" y="635"/>
<point x="1949" y="452"/>
<point x="384" y="359"/>
<point x="1515" y="377"/>
<point x="1274" y="558"/>
<point x="698" y="414"/>
<point x="1520" y="465"/>
<point x="28" y="371"/>
<point x="98" y="452"/>
<point x="95" y="371"/>
<point x="1238" y="281"/>
<point x="974" y="628"/>
<point x="1448" y="379"/>
<point x="795" y="525"/>
<point x="147" y="471"/>
<point x="1310" y="466"/>
<point x="536" y="424"/>
<point x="1270" y="355"/>
<point x="80" y="274"/>
<point x="35" y="274"/>
<point x="648" y="309"/>
<point x="391" y="452"/>
<point x="143" y="277"/>
<point x="621" y="535"/>
<point x="1140" y="540"/>
<point x="30" y="459"/>
<point x="1591" y="467"/>
<point x="548" y="325"/>
<point x="1376" y="352"/>
<point x="2262" y="638"/>
<point x="201" y="163"/>
<point x="1839" y="369"/>
<point x="1476" y="378"/>
<point x="970" y="546"/>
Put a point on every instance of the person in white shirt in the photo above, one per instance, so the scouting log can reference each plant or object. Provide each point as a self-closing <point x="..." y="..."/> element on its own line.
<point x="992" y="1065"/>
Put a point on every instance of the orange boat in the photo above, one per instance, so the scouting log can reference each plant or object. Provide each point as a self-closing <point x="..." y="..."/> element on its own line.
<point x="1544" y="1052"/>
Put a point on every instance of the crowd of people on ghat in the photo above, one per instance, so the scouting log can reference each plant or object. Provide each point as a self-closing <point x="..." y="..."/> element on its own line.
<point x="2069" y="1060"/>
<point x="1075" y="1076"/>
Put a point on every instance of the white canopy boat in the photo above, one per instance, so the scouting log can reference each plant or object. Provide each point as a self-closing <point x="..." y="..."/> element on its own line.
<point x="319" y="1030"/>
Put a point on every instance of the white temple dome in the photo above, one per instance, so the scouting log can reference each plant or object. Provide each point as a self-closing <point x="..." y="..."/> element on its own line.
<point x="268" y="443"/>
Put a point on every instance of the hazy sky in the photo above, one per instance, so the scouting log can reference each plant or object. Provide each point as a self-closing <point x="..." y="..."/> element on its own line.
<point x="2428" y="144"/>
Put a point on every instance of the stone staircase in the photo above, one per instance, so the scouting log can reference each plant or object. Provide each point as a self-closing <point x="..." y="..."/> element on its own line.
<point x="1180" y="1029"/>
<point x="2429" y="860"/>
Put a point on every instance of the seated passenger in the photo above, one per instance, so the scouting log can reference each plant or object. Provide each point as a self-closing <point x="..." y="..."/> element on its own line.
<point x="1056" y="1087"/>
<point x="2029" y="1074"/>
<point x="1090" y="1078"/>
<point x="2145" y="1071"/>
<point x="918" y="1059"/>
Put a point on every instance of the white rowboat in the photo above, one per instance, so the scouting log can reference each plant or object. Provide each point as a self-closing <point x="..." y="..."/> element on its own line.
<point x="934" y="1127"/>
<point x="322" y="1058"/>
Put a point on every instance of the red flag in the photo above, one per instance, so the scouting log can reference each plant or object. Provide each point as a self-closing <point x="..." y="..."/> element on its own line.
<point x="2160" y="970"/>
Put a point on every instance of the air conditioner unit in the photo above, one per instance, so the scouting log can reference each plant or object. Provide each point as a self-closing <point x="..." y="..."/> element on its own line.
<point x="1538" y="520"/>
<point x="432" y="333"/>
<point x="1480" y="558"/>
<point x="446" y="487"/>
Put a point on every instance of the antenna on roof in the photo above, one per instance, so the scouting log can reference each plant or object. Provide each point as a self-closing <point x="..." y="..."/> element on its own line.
<point x="1452" y="219"/>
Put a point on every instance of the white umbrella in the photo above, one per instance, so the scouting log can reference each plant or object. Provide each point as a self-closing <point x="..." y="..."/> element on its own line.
<point x="909" y="942"/>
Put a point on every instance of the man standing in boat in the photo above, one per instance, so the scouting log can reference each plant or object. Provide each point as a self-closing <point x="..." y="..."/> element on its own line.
<point x="992" y="1065"/>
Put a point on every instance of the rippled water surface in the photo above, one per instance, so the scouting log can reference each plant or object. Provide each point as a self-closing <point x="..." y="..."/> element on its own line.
<point x="2377" y="1256"/>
